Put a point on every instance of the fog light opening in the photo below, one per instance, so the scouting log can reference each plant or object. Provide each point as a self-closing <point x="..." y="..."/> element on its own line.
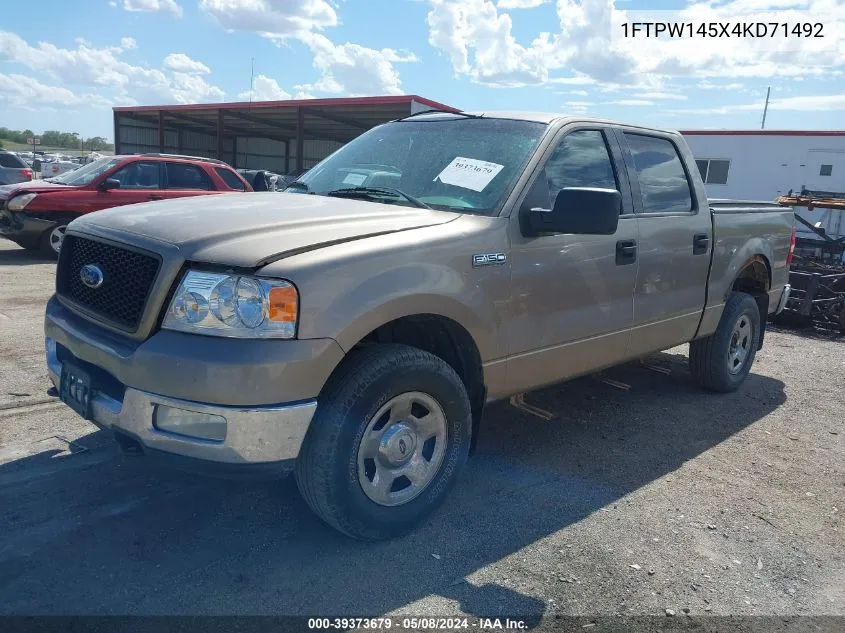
<point x="190" y="424"/>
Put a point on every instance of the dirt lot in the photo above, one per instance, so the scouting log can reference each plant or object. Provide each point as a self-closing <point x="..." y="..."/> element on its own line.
<point x="629" y="502"/>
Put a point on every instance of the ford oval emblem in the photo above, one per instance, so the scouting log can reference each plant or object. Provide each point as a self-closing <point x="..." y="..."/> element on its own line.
<point x="91" y="275"/>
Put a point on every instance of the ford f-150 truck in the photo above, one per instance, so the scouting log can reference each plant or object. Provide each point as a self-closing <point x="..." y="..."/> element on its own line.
<point x="354" y="326"/>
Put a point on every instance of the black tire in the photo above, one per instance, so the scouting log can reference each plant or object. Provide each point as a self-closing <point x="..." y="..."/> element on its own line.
<point x="45" y="244"/>
<point x="709" y="357"/>
<point x="327" y="467"/>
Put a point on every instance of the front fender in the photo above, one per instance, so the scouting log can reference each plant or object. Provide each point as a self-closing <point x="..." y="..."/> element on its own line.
<point x="409" y="290"/>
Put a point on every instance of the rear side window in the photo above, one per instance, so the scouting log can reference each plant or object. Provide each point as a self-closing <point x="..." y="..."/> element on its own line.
<point x="11" y="161"/>
<point x="186" y="176"/>
<point x="663" y="182"/>
<point x="231" y="180"/>
<point x="580" y="160"/>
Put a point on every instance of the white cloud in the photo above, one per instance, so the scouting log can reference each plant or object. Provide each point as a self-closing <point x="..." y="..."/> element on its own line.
<point x="352" y="69"/>
<point x="478" y="39"/>
<point x="348" y="68"/>
<point x="276" y="19"/>
<point x="187" y="88"/>
<point x="128" y="43"/>
<point x="479" y="43"/>
<point x="103" y="68"/>
<point x="20" y="91"/>
<point x="630" y="102"/>
<point x="264" y="89"/>
<point x="664" y="96"/>
<point x="808" y="103"/>
<point x="578" y="104"/>
<point x="578" y="93"/>
<point x="179" y="62"/>
<point x="709" y="85"/>
<point x="154" y="6"/>
<point x="520" y="4"/>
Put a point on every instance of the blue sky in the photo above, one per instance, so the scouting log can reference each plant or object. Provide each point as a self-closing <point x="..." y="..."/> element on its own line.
<point x="66" y="67"/>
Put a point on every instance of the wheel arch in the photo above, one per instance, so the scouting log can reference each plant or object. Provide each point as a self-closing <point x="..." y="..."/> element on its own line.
<point x="442" y="336"/>
<point x="754" y="278"/>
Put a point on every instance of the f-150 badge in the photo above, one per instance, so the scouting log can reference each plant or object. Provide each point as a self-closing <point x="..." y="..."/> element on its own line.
<point x="488" y="259"/>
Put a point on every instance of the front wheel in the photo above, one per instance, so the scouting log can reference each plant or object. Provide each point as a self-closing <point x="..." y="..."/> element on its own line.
<point x="389" y="438"/>
<point x="51" y="241"/>
<point x="722" y="361"/>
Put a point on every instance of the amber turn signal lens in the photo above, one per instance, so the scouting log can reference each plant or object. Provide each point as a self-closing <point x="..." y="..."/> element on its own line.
<point x="282" y="308"/>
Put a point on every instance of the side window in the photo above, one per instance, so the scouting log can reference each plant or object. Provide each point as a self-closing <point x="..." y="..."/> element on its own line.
<point x="186" y="176"/>
<point x="138" y="175"/>
<point x="231" y="180"/>
<point x="580" y="160"/>
<point x="663" y="182"/>
<point x="11" y="161"/>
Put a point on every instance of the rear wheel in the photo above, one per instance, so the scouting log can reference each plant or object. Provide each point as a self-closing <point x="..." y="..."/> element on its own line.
<point x="51" y="241"/>
<point x="390" y="436"/>
<point x="722" y="361"/>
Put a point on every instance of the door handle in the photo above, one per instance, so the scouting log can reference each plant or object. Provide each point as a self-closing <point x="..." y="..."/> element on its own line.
<point x="626" y="252"/>
<point x="700" y="244"/>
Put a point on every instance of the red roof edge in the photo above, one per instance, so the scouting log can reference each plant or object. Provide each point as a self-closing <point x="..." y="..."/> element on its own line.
<point x="292" y="103"/>
<point x="763" y="132"/>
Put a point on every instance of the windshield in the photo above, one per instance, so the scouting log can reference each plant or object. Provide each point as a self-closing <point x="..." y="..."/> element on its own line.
<point x="460" y="164"/>
<point x="87" y="173"/>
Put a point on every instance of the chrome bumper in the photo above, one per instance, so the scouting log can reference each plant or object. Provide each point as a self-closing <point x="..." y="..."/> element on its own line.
<point x="254" y="435"/>
<point x="784" y="297"/>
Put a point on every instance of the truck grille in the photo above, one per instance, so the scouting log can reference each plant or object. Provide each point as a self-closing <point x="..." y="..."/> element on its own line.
<point x="128" y="277"/>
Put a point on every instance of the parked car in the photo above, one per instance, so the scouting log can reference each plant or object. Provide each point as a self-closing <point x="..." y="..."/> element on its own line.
<point x="13" y="169"/>
<point x="262" y="180"/>
<point x="357" y="332"/>
<point x="57" y="167"/>
<point x="36" y="215"/>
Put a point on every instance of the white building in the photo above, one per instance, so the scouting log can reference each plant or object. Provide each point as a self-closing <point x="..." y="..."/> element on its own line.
<point x="764" y="164"/>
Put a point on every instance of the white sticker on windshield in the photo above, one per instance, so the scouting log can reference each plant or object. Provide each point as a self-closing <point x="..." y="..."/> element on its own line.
<point x="469" y="173"/>
<point x="354" y="179"/>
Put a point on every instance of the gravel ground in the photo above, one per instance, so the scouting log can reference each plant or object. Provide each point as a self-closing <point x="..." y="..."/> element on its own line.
<point x="628" y="502"/>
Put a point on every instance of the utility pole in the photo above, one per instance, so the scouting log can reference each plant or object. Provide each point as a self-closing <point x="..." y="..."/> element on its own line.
<point x="766" y="108"/>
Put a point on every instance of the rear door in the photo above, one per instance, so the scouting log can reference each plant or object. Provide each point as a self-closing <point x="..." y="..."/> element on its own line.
<point x="185" y="180"/>
<point x="572" y="295"/>
<point x="140" y="181"/>
<point x="675" y="235"/>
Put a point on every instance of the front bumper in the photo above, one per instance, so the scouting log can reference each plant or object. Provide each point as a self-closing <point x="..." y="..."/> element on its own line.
<point x="254" y="435"/>
<point x="22" y="228"/>
<point x="266" y="390"/>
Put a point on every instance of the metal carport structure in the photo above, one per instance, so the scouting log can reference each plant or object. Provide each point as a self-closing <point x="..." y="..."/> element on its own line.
<point x="276" y="135"/>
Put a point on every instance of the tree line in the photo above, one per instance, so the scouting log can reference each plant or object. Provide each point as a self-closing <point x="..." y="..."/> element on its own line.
<point x="54" y="138"/>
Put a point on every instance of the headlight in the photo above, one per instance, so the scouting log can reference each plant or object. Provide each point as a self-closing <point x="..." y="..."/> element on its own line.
<point x="18" y="203"/>
<point x="233" y="305"/>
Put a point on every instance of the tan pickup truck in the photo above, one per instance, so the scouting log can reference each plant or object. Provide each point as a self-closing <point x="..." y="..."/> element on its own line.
<point x="354" y="326"/>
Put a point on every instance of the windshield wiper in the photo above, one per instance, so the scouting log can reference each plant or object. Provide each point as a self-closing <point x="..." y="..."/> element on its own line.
<point x="372" y="192"/>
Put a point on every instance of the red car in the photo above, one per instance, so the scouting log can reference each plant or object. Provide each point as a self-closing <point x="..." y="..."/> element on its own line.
<point x="35" y="214"/>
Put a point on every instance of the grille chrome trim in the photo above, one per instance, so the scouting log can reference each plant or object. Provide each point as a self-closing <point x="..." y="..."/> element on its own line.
<point x="72" y="294"/>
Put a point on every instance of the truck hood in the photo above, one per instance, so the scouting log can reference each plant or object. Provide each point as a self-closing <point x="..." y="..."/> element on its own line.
<point x="33" y="186"/>
<point x="254" y="229"/>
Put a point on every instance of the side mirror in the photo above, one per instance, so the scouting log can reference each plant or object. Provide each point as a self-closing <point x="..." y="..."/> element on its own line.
<point x="109" y="183"/>
<point x="579" y="210"/>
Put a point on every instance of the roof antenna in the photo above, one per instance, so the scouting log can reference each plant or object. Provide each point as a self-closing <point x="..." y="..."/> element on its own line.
<point x="249" y="107"/>
<point x="766" y="108"/>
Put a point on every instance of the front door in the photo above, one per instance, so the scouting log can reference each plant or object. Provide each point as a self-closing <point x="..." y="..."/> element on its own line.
<point x="675" y="242"/>
<point x="140" y="181"/>
<point x="572" y="295"/>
